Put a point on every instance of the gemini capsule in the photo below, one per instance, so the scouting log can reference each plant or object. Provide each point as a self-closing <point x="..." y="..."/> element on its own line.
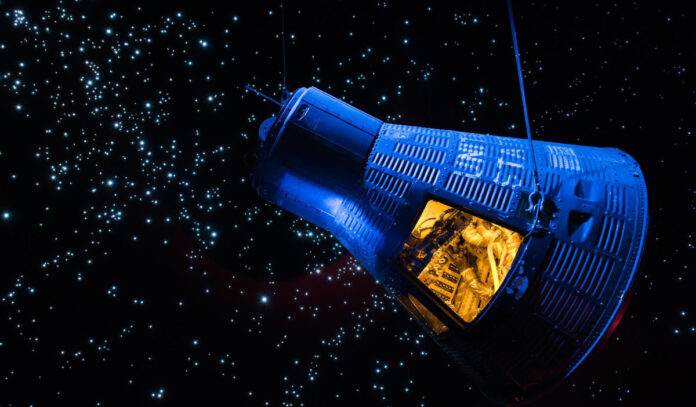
<point x="442" y="219"/>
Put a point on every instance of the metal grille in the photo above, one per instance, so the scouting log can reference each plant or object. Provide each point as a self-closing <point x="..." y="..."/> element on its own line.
<point x="474" y="189"/>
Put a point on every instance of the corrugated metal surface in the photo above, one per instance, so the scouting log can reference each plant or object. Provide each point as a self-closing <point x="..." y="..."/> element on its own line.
<point x="474" y="189"/>
<point x="574" y="293"/>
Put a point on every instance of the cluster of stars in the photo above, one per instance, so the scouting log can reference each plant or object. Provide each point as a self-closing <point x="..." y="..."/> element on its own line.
<point x="150" y="256"/>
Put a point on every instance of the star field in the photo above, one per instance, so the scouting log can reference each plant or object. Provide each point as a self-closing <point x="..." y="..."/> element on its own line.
<point x="139" y="267"/>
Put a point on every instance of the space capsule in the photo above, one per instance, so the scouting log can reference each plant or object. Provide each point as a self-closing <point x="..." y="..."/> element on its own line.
<point x="443" y="220"/>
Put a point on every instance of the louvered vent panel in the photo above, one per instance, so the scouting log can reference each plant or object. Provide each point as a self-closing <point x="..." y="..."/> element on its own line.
<point x="578" y="268"/>
<point x="431" y="138"/>
<point x="615" y="199"/>
<point x="362" y="224"/>
<point x="570" y="287"/>
<point x="407" y="168"/>
<point x="388" y="183"/>
<point x="486" y="193"/>
<point x="551" y="182"/>
<point x="611" y="236"/>
<point x="420" y="153"/>
<point x="382" y="201"/>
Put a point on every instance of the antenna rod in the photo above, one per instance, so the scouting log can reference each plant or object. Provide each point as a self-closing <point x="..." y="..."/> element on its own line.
<point x="263" y="95"/>
<point x="524" y="98"/>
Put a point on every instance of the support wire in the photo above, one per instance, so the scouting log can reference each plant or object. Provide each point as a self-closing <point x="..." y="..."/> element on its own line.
<point x="536" y="199"/>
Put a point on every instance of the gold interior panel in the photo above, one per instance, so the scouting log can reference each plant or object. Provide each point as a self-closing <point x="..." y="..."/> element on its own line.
<point x="461" y="258"/>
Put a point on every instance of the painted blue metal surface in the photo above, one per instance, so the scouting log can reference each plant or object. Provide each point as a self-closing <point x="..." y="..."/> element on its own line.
<point x="366" y="182"/>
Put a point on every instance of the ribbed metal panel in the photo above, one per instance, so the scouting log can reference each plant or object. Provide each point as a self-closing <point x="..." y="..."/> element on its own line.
<point x="563" y="158"/>
<point x="573" y="294"/>
<point x="615" y="199"/>
<point x="408" y="168"/>
<point x="387" y="183"/>
<point x="432" y="137"/>
<point x="383" y="202"/>
<point x="612" y="234"/>
<point x="420" y="153"/>
<point x="485" y="193"/>
<point x="364" y="224"/>
<point x="550" y="182"/>
<point x="580" y="269"/>
<point x="596" y="164"/>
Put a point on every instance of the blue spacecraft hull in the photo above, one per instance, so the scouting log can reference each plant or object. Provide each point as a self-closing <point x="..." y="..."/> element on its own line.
<point x="367" y="182"/>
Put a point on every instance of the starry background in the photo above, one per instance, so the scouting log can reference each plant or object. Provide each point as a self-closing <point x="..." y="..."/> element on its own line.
<point x="138" y="266"/>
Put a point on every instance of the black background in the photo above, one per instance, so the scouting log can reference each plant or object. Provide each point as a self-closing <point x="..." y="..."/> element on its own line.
<point x="187" y="323"/>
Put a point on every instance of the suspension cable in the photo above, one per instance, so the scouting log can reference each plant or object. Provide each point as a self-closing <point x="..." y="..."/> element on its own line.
<point x="535" y="206"/>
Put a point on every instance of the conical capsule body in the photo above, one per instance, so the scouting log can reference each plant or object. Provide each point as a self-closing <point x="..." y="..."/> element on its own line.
<point x="441" y="219"/>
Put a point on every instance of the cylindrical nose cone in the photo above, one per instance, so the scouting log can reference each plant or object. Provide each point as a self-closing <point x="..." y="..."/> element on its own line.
<point x="313" y="155"/>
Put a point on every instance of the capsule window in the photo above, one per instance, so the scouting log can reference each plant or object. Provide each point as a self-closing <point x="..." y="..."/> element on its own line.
<point x="461" y="258"/>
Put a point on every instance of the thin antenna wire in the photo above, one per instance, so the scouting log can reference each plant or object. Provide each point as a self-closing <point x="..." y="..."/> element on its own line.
<point x="263" y="95"/>
<point x="282" y="33"/>
<point x="536" y="207"/>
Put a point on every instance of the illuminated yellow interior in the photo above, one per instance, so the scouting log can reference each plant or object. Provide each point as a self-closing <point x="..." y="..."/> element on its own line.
<point x="461" y="258"/>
